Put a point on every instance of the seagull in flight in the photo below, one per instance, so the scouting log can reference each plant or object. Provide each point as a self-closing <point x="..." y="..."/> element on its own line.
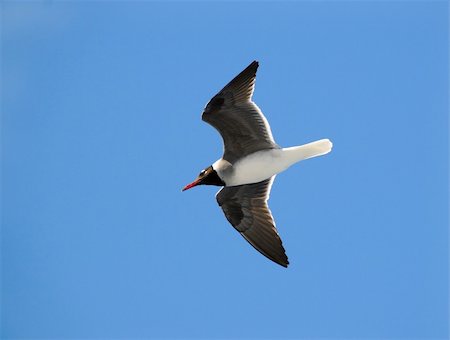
<point x="250" y="162"/>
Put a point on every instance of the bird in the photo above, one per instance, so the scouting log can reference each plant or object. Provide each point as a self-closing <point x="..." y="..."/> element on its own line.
<point x="251" y="159"/>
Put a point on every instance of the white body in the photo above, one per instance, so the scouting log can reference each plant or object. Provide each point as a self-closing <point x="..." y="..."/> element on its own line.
<point x="264" y="164"/>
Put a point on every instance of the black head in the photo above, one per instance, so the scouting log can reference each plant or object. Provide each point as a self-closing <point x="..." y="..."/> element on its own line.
<point x="207" y="176"/>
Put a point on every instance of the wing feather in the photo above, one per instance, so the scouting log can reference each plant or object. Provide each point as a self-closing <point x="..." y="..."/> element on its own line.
<point x="242" y="125"/>
<point x="245" y="207"/>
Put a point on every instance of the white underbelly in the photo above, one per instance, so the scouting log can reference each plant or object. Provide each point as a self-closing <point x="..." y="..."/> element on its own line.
<point x="257" y="167"/>
<point x="264" y="164"/>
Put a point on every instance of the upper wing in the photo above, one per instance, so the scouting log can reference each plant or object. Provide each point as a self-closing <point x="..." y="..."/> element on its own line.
<point x="243" y="127"/>
<point x="245" y="207"/>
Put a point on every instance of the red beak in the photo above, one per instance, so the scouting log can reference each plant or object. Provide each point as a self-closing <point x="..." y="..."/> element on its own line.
<point x="191" y="185"/>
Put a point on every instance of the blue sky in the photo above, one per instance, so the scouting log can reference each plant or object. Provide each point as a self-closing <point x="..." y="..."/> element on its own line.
<point x="101" y="128"/>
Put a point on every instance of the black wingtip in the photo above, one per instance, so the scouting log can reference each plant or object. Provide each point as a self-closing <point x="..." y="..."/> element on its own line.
<point x="243" y="84"/>
<point x="254" y="65"/>
<point x="284" y="264"/>
<point x="248" y="72"/>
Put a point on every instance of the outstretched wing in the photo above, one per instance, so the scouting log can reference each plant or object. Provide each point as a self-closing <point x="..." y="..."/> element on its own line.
<point x="242" y="125"/>
<point x="245" y="207"/>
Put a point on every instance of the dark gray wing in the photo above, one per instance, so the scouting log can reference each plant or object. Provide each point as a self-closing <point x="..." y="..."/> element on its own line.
<point x="245" y="207"/>
<point x="243" y="127"/>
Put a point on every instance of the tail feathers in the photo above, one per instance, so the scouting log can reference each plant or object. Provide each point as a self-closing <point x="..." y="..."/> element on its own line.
<point x="314" y="149"/>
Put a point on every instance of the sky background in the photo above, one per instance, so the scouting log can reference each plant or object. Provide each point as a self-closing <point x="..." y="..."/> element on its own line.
<point x="101" y="129"/>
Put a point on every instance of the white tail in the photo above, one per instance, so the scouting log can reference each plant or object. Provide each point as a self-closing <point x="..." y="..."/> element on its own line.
<point x="314" y="149"/>
<point x="264" y="164"/>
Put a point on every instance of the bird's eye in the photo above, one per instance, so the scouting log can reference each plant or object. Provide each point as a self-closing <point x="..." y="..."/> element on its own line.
<point x="202" y="173"/>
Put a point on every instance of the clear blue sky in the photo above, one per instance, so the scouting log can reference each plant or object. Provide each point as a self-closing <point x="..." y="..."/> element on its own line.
<point x="101" y="128"/>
